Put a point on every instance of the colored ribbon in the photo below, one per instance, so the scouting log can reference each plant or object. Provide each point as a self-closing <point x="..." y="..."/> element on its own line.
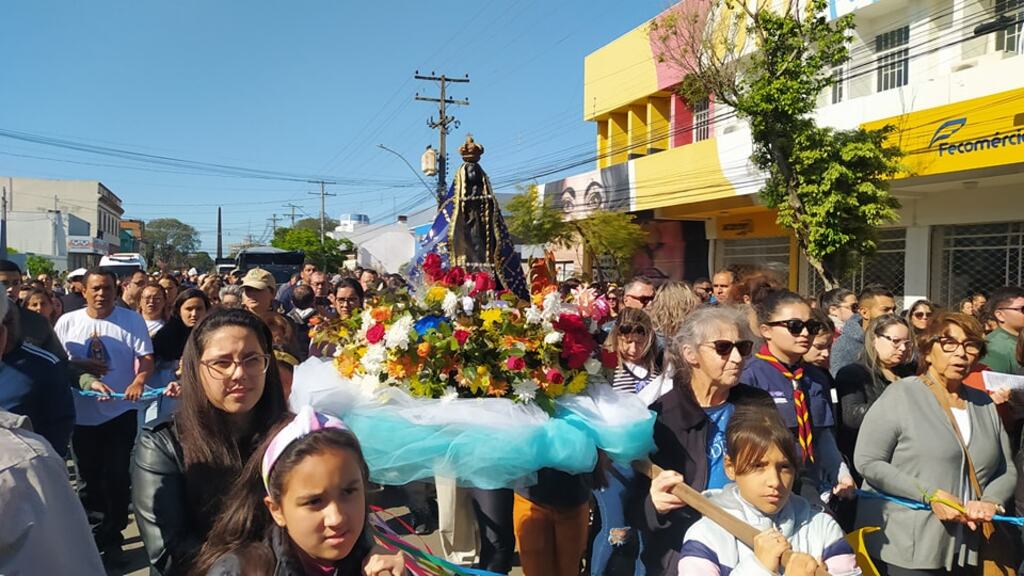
<point x="803" y="415"/>
<point x="148" y="394"/>
<point x="917" y="505"/>
<point x="418" y="562"/>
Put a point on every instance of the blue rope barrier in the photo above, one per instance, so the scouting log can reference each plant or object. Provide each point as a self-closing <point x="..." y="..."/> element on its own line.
<point x="148" y="394"/>
<point x="917" y="505"/>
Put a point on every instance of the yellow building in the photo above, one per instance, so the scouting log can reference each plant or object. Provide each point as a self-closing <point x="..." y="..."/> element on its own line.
<point x="956" y="99"/>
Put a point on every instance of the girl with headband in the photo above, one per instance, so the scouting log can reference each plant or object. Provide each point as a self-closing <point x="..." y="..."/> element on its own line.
<point x="300" y="509"/>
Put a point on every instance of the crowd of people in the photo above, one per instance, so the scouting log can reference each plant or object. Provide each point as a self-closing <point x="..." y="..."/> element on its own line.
<point x="805" y="417"/>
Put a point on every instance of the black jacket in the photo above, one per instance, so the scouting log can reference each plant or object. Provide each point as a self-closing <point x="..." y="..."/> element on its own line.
<point x="680" y="438"/>
<point x="170" y="531"/>
<point x="276" y="551"/>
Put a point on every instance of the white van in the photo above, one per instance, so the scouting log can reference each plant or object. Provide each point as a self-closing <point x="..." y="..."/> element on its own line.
<point x="123" y="263"/>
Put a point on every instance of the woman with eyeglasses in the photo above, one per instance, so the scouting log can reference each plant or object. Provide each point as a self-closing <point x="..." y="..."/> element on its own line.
<point x="707" y="354"/>
<point x="183" y="466"/>
<point x="800" y="391"/>
<point x="885" y="359"/>
<point x="929" y="438"/>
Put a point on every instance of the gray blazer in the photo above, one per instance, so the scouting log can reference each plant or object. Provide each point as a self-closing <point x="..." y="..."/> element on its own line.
<point x="907" y="448"/>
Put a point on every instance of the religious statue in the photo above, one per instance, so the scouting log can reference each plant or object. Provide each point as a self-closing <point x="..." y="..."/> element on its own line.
<point x="469" y="230"/>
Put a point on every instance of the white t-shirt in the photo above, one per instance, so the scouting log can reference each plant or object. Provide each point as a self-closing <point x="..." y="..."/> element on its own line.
<point x="154" y="326"/>
<point x="124" y="337"/>
<point x="963" y="421"/>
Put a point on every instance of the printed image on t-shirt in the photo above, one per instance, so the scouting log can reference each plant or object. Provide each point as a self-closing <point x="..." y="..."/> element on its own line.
<point x="719" y="419"/>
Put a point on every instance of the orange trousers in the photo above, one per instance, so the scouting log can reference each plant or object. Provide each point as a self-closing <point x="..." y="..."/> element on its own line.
<point x="551" y="541"/>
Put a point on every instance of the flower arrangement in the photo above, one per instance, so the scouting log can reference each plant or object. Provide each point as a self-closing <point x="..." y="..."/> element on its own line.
<point x="458" y="337"/>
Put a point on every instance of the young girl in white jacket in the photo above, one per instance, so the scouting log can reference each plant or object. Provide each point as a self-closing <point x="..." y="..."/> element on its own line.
<point x="762" y="461"/>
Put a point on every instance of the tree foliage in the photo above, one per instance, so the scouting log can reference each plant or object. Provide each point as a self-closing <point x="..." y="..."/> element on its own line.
<point x="830" y="186"/>
<point x="170" y="242"/>
<point x="532" y="219"/>
<point x="200" y="261"/>
<point x="39" y="265"/>
<point x="314" y="224"/>
<point x="330" y="255"/>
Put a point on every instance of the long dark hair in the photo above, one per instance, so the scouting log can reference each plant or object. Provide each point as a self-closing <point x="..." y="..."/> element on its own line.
<point x="169" y="342"/>
<point x="243" y="525"/>
<point x="214" y="453"/>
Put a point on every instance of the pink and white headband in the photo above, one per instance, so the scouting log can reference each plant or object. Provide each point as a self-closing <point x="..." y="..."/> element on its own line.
<point x="306" y="421"/>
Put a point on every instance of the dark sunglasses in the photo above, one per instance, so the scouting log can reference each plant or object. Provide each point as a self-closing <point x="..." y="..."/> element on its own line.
<point x="645" y="300"/>
<point x="724" y="347"/>
<point x="628" y="330"/>
<point x="921" y="314"/>
<point x="796" y="326"/>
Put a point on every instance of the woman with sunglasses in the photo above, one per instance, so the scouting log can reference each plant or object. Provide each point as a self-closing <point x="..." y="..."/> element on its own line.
<point x="885" y="360"/>
<point x="616" y="486"/>
<point x="951" y="452"/>
<point x="707" y="354"/>
<point x="800" y="391"/>
<point x="183" y="466"/>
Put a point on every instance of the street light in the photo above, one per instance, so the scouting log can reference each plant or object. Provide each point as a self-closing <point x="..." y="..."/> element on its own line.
<point x="1000" y="23"/>
<point x="425" y="185"/>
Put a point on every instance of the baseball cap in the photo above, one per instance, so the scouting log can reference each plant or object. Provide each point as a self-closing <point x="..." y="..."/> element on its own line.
<point x="76" y="273"/>
<point x="259" y="279"/>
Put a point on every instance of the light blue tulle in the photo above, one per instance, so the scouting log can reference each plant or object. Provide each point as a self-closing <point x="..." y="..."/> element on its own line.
<point x="484" y="443"/>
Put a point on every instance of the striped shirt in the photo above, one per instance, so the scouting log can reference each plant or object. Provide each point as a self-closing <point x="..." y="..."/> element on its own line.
<point x="631" y="378"/>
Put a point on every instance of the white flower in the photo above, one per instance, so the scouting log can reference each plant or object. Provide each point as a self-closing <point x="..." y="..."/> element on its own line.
<point x="468" y="285"/>
<point x="374" y="359"/>
<point x="398" y="334"/>
<point x="450" y="305"/>
<point x="450" y="393"/>
<point x="366" y="383"/>
<point x="467" y="304"/>
<point x="552" y="305"/>
<point x="553" y="337"/>
<point x="525" y="390"/>
<point x="592" y="366"/>
<point x="367" y="322"/>
<point x="533" y="315"/>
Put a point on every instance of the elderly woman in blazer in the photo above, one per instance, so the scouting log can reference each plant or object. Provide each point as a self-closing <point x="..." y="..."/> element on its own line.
<point x="910" y="446"/>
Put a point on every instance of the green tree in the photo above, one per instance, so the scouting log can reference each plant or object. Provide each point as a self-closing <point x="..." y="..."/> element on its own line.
<point x="830" y="187"/>
<point x="330" y="255"/>
<point x="314" y="224"/>
<point x="531" y="219"/>
<point x="39" y="265"/>
<point x="200" y="261"/>
<point x="169" y="242"/>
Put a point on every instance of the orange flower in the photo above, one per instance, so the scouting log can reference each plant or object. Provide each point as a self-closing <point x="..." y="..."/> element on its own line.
<point x="346" y="365"/>
<point x="397" y="369"/>
<point x="423" y="350"/>
<point x="380" y="314"/>
<point x="498" y="388"/>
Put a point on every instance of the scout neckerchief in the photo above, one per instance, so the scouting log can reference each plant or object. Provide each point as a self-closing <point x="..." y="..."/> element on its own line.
<point x="803" y="416"/>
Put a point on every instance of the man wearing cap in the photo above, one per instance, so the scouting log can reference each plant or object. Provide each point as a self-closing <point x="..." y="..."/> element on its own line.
<point x="74" y="300"/>
<point x="258" y="287"/>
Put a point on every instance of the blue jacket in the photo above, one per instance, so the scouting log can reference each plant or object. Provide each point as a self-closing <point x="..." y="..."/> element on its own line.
<point x="35" y="383"/>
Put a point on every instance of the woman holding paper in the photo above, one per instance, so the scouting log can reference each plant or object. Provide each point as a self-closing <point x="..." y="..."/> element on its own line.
<point x="951" y="453"/>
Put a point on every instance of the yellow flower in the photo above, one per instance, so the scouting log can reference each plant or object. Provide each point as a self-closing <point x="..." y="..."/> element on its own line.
<point x="490" y="316"/>
<point x="555" y="390"/>
<point x="343" y="332"/>
<point x="346" y="365"/>
<point x="436" y="294"/>
<point x="578" y="383"/>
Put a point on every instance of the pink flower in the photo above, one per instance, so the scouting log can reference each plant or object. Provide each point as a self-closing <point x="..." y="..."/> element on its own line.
<point x="482" y="282"/>
<point x="375" y="334"/>
<point x="515" y="363"/>
<point x="553" y="376"/>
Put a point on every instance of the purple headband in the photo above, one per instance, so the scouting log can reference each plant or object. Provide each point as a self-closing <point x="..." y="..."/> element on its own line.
<point x="306" y="421"/>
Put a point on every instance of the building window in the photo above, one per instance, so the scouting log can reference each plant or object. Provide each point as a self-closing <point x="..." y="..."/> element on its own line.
<point x="885" y="267"/>
<point x="702" y="120"/>
<point x="1011" y="39"/>
<point x="838" y="79"/>
<point x="893" y="58"/>
<point x="971" y="257"/>
<point x="755" y="254"/>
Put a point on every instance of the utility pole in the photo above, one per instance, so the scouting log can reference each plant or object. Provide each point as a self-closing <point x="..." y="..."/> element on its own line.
<point x="324" y="195"/>
<point x="3" y="225"/>
<point x="220" y="236"/>
<point x="273" y="223"/>
<point x="293" y="207"/>
<point x="442" y="124"/>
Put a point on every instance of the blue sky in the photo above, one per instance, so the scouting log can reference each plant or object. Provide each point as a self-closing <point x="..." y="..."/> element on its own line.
<point x="305" y="88"/>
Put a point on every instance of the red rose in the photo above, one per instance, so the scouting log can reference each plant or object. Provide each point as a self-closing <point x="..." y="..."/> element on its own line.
<point x="455" y="277"/>
<point x="482" y="282"/>
<point x="577" y="343"/>
<point x="432" y="266"/>
<point x="569" y="323"/>
<point x="375" y="333"/>
<point x="515" y="363"/>
<point x="609" y="359"/>
<point x="553" y="376"/>
<point x="461" y="336"/>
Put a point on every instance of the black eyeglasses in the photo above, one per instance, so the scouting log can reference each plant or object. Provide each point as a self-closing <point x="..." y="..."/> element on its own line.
<point x="796" y="326"/>
<point x="628" y="330"/>
<point x="950" y="345"/>
<point x="724" y="347"/>
<point x="1019" y="309"/>
<point x="645" y="300"/>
